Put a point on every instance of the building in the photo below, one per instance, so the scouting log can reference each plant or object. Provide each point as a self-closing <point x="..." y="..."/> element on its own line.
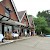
<point x="31" y="24"/>
<point x="11" y="20"/>
<point x="24" y="19"/>
<point x="8" y="17"/>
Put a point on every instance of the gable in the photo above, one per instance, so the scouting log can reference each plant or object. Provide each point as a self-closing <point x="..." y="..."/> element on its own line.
<point x="20" y="15"/>
<point x="8" y="4"/>
<point x="25" y="20"/>
<point x="31" y="24"/>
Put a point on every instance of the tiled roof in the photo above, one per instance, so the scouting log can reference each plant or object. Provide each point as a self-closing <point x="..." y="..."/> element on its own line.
<point x="30" y="20"/>
<point x="20" y="14"/>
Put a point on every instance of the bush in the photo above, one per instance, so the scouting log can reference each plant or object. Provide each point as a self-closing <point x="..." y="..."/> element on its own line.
<point x="47" y="30"/>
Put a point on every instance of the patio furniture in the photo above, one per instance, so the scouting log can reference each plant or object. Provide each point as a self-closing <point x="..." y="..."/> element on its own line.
<point x="8" y="36"/>
<point x="1" y="37"/>
<point x="15" y="35"/>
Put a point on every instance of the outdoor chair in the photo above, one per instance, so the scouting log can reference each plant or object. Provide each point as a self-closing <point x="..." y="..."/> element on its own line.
<point x="15" y="35"/>
<point x="8" y="36"/>
<point x="1" y="37"/>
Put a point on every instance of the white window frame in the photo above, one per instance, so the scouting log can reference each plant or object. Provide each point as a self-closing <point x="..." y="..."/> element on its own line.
<point x="7" y="13"/>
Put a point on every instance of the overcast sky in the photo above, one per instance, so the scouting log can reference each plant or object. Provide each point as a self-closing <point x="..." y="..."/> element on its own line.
<point x="32" y="6"/>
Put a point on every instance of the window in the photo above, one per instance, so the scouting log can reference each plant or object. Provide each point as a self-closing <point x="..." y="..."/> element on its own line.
<point x="7" y="13"/>
<point x="7" y="27"/>
<point x="25" y="21"/>
<point x="10" y="28"/>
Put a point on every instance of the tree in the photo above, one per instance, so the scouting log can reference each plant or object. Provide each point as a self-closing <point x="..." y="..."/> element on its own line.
<point x="47" y="30"/>
<point x="46" y="14"/>
<point x="40" y="24"/>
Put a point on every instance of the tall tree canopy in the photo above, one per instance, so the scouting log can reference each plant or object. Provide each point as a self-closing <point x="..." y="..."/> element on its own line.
<point x="40" y="24"/>
<point x="46" y="14"/>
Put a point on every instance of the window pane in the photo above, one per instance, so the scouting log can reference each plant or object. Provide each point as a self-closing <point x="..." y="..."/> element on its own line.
<point x="6" y="14"/>
<point x="10" y="28"/>
<point x="5" y="28"/>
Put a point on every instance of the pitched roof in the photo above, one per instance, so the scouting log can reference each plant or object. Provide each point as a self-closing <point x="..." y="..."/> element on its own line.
<point x="10" y="6"/>
<point x="20" y="14"/>
<point x="30" y="18"/>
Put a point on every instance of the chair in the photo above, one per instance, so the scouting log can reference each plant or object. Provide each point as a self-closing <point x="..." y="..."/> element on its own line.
<point x="8" y="36"/>
<point x="1" y="37"/>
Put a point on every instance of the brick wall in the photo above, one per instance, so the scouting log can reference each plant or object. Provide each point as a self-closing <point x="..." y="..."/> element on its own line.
<point x="8" y="4"/>
<point x="24" y="20"/>
<point x="2" y="9"/>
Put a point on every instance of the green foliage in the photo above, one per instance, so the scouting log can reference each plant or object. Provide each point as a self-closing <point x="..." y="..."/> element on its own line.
<point x="46" y="14"/>
<point x="31" y="16"/>
<point x="40" y="24"/>
<point x="47" y="30"/>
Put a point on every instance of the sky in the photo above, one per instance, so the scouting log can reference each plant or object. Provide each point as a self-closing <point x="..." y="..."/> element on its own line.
<point x="32" y="6"/>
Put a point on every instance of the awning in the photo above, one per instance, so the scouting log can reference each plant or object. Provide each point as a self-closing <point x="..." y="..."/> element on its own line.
<point x="7" y="20"/>
<point x="13" y="23"/>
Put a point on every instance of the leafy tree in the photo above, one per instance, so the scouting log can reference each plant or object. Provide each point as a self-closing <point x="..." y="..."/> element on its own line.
<point x="40" y="24"/>
<point x="46" y="14"/>
<point x="47" y="30"/>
